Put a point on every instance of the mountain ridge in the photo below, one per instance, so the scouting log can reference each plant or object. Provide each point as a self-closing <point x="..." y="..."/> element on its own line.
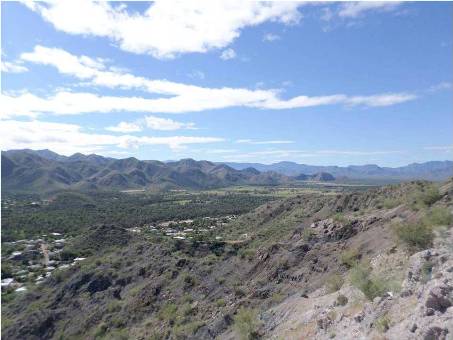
<point x="43" y="170"/>
<point x="432" y="170"/>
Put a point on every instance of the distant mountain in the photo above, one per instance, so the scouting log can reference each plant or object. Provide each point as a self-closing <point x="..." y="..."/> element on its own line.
<point x="318" y="177"/>
<point x="434" y="170"/>
<point x="44" y="170"/>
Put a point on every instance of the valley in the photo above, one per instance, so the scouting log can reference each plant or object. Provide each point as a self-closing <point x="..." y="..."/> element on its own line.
<point x="248" y="262"/>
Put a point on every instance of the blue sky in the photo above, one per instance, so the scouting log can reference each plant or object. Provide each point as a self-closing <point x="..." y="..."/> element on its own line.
<point x="318" y="83"/>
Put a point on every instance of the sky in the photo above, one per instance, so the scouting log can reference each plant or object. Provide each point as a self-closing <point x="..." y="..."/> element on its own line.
<point x="334" y="83"/>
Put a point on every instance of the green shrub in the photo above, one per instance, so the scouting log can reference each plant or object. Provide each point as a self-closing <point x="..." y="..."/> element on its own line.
<point x="190" y="328"/>
<point x="308" y="234"/>
<point x="220" y="303"/>
<point x="246" y="323"/>
<point x="439" y="216"/>
<point x="340" y="218"/>
<point x="100" y="330"/>
<point x="168" y="312"/>
<point x="342" y="300"/>
<point x="382" y="324"/>
<point x="430" y="195"/>
<point x="360" y="277"/>
<point x="391" y="203"/>
<point x="424" y="197"/>
<point x="350" y="257"/>
<point x="426" y="271"/>
<point x="113" y="306"/>
<point x="417" y="236"/>
<point x="189" y="280"/>
<point x="334" y="283"/>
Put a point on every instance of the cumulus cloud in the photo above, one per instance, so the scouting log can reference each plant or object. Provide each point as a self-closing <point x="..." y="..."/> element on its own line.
<point x="355" y="9"/>
<point x="10" y="67"/>
<point x="69" y="138"/>
<point x="228" y="54"/>
<point x="188" y="26"/>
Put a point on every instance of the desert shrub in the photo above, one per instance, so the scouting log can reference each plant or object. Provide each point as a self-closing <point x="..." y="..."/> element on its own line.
<point x="342" y="300"/>
<point x="239" y="292"/>
<point x="7" y="270"/>
<point x="391" y="203"/>
<point x="424" y="197"/>
<point x="113" y="306"/>
<point x="189" y="280"/>
<point x="350" y="257"/>
<point x="100" y="330"/>
<point x="382" y="324"/>
<point x="340" y="218"/>
<point x="439" y="216"/>
<point x="246" y="323"/>
<point x="220" y="303"/>
<point x="430" y="195"/>
<point x="334" y="283"/>
<point x="278" y="297"/>
<point x="168" y="312"/>
<point x="416" y="236"/>
<point x="308" y="234"/>
<point x="360" y="277"/>
<point x="187" y="309"/>
<point x="246" y="253"/>
<point x="68" y="255"/>
<point x="426" y="271"/>
<point x="190" y="328"/>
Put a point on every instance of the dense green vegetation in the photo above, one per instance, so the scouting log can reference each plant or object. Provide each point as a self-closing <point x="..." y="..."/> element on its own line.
<point x="68" y="212"/>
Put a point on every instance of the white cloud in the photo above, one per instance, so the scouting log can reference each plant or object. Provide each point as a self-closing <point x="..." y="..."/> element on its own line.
<point x="69" y="103"/>
<point x="69" y="138"/>
<point x="271" y="37"/>
<point x="166" y="28"/>
<point x="251" y="141"/>
<point x="151" y="122"/>
<point x="165" y="124"/>
<point x="355" y="9"/>
<point x="10" y="67"/>
<point x="125" y="127"/>
<point x="228" y="54"/>
<point x="179" y="97"/>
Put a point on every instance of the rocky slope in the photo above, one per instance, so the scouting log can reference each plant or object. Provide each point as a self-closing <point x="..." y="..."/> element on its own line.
<point x="314" y="266"/>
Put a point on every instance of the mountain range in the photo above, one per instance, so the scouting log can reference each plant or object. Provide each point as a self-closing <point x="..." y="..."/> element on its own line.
<point x="44" y="170"/>
<point x="433" y="170"/>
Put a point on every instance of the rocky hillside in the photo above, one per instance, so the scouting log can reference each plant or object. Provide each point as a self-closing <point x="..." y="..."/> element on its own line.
<point x="28" y="170"/>
<point x="363" y="265"/>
